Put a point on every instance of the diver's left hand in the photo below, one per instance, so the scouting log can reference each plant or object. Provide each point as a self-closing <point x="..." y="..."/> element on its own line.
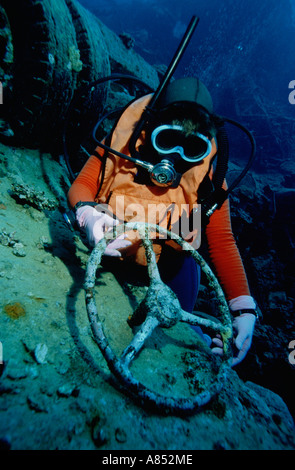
<point x="243" y="327"/>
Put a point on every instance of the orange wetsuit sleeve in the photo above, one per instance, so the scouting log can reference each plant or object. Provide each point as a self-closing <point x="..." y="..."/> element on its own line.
<point x="225" y="255"/>
<point x="85" y="186"/>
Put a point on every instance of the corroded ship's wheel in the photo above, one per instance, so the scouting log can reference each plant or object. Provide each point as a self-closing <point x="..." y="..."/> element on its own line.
<point x="162" y="309"/>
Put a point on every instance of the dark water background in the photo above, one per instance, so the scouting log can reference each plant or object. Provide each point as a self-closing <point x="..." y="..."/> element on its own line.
<point x="242" y="50"/>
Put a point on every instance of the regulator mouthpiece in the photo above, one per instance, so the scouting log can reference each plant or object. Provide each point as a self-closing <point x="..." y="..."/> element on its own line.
<point x="164" y="174"/>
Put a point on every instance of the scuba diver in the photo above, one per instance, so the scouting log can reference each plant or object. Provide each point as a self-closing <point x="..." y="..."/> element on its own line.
<point x="167" y="164"/>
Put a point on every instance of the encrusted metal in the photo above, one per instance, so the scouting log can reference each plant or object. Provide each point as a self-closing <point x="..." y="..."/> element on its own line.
<point x="162" y="308"/>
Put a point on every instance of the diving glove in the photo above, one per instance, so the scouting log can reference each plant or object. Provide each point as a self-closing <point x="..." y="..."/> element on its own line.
<point x="243" y="326"/>
<point x="95" y="224"/>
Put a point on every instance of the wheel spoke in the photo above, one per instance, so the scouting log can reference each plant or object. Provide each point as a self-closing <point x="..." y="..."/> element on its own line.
<point x="203" y="322"/>
<point x="150" y="254"/>
<point x="138" y="341"/>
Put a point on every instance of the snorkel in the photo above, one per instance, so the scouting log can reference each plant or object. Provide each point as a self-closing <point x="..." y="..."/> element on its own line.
<point x="163" y="173"/>
<point x="163" y="85"/>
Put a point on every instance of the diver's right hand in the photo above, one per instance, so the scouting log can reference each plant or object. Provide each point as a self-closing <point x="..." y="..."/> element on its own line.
<point x="95" y="224"/>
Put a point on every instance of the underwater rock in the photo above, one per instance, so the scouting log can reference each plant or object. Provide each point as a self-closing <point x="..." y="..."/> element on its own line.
<point x="121" y="435"/>
<point x="274" y="405"/>
<point x="66" y="390"/>
<point x="127" y="40"/>
<point x="8" y="238"/>
<point x="18" y="250"/>
<point x="38" y="403"/>
<point x="98" y="431"/>
<point x="15" y="372"/>
<point x="40" y="353"/>
<point x="6" y="51"/>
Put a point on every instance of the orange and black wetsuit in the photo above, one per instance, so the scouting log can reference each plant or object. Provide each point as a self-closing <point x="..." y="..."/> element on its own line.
<point x="119" y="181"/>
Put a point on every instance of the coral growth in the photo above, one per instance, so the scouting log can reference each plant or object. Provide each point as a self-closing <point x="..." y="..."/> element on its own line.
<point x="15" y="310"/>
<point x="28" y="195"/>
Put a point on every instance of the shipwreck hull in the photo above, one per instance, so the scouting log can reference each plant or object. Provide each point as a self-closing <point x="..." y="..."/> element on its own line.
<point x="49" y="51"/>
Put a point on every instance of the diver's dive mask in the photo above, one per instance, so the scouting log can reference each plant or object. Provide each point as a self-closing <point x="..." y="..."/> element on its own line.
<point x="172" y="141"/>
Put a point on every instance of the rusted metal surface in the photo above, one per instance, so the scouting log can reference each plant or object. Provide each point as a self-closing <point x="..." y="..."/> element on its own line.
<point x="162" y="309"/>
<point x="49" y="51"/>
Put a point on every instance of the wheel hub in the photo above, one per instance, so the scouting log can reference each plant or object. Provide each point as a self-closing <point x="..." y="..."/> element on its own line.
<point x="162" y="303"/>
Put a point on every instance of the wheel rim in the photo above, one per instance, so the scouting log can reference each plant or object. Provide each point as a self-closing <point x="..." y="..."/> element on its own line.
<point x="157" y="316"/>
